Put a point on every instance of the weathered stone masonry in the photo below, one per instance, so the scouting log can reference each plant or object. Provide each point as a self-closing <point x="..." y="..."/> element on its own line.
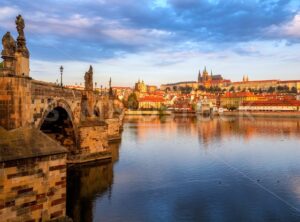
<point x="32" y="180"/>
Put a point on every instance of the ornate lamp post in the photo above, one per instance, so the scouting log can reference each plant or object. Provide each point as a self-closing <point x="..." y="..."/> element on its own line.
<point x="61" y="74"/>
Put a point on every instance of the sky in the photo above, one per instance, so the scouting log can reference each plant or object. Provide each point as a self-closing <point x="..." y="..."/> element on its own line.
<point x="159" y="41"/>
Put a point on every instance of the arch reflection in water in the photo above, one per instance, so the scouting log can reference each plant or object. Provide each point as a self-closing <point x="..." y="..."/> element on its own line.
<point x="88" y="182"/>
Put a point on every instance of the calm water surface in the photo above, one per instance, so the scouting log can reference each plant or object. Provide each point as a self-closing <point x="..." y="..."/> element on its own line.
<point x="188" y="169"/>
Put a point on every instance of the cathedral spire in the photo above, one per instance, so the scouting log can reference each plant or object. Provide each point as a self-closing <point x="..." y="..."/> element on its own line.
<point x="199" y="76"/>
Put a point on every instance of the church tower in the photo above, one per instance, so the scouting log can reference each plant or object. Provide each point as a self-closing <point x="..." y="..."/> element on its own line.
<point x="199" y="77"/>
<point x="205" y="75"/>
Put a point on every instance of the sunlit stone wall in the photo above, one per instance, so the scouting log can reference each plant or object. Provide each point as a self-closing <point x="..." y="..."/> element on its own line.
<point x="113" y="130"/>
<point x="33" y="189"/>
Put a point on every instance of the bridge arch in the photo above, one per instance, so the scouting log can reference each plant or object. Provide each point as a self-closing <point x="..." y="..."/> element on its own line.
<point x="58" y="122"/>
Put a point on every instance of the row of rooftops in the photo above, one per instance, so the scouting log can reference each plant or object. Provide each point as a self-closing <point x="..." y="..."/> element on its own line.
<point x="273" y="103"/>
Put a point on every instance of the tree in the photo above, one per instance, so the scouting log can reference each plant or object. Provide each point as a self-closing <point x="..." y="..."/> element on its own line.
<point x="1" y="65"/>
<point x="202" y="88"/>
<point x="232" y="89"/>
<point x="186" y="89"/>
<point x="279" y="88"/>
<point x="132" y="102"/>
<point x="293" y="89"/>
<point x="284" y="88"/>
<point x="271" y="89"/>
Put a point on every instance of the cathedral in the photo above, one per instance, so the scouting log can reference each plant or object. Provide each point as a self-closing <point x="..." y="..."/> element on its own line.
<point x="207" y="80"/>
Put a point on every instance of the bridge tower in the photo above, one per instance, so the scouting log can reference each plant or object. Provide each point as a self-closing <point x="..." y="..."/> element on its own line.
<point x="15" y="83"/>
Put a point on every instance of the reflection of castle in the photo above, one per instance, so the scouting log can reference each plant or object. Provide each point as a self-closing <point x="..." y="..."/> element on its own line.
<point x="218" y="129"/>
<point x="215" y="129"/>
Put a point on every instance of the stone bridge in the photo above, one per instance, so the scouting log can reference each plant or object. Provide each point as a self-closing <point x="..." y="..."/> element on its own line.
<point x="83" y="121"/>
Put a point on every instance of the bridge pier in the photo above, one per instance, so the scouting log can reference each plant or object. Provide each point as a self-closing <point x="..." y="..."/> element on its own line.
<point x="92" y="142"/>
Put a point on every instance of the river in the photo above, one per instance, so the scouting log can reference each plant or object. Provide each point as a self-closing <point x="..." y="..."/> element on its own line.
<point x="193" y="169"/>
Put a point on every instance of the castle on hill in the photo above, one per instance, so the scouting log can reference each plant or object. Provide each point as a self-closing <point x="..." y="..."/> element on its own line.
<point x="204" y="79"/>
<point x="209" y="80"/>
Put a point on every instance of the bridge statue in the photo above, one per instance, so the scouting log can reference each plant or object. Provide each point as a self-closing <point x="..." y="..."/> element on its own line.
<point x="88" y="78"/>
<point x="20" y="25"/>
<point x="8" y="54"/>
<point x="9" y="45"/>
<point x="21" y="41"/>
<point x="77" y="119"/>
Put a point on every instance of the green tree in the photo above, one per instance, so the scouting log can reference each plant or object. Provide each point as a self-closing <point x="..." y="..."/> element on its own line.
<point x="279" y="88"/>
<point x="186" y="90"/>
<point x="284" y="88"/>
<point x="293" y="89"/>
<point x="271" y="89"/>
<point x="1" y="65"/>
<point x="232" y="89"/>
<point x="132" y="102"/>
<point x="202" y="88"/>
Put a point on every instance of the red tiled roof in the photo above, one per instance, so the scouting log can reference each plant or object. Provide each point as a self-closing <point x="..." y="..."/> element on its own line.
<point x="238" y="94"/>
<point x="151" y="99"/>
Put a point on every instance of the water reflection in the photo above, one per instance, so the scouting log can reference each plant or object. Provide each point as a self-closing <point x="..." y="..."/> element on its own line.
<point x="194" y="169"/>
<point x="88" y="182"/>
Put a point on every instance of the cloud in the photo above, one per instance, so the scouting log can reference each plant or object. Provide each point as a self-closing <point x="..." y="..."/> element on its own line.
<point x="7" y="16"/>
<point x="287" y="30"/>
<point x="7" y="12"/>
<point x="92" y="30"/>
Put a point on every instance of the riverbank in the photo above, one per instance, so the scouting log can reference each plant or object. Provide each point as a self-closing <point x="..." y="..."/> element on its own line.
<point x="262" y="114"/>
<point x="147" y="112"/>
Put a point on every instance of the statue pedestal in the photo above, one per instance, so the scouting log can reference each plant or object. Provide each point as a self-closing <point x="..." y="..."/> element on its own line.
<point x="22" y="65"/>
<point x="8" y="65"/>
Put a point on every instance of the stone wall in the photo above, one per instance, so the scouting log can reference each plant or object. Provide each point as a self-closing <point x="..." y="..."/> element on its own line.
<point x="33" y="189"/>
<point x="113" y="130"/>
<point x="15" y="99"/>
<point x="93" y="142"/>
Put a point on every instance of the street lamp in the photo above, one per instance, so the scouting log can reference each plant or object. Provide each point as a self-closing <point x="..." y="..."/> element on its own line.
<point x="61" y="73"/>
